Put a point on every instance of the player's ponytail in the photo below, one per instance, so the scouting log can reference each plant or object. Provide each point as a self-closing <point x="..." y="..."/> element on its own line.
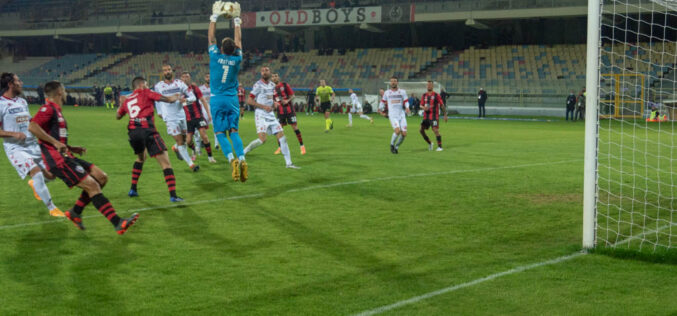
<point x="5" y="79"/>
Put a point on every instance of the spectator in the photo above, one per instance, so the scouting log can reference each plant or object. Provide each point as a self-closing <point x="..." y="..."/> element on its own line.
<point x="481" y="101"/>
<point x="41" y="94"/>
<point x="284" y="58"/>
<point x="571" y="105"/>
<point x="580" y="106"/>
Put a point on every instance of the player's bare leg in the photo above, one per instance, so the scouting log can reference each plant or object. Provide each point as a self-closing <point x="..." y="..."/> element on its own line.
<point x="206" y="144"/>
<point x="41" y="192"/>
<point x="284" y="147"/>
<point x="191" y="144"/>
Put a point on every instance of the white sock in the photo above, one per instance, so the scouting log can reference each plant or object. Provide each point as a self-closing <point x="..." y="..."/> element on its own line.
<point x="284" y="147"/>
<point x="216" y="141"/>
<point x="350" y="118"/>
<point x="365" y="117"/>
<point x="400" y="141"/>
<point x="198" y="144"/>
<point x="41" y="189"/>
<point x="255" y="143"/>
<point x="183" y="151"/>
<point x="230" y="157"/>
<point x="393" y="139"/>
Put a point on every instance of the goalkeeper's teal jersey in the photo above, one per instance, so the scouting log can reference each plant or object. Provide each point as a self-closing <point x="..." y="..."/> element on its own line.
<point x="223" y="71"/>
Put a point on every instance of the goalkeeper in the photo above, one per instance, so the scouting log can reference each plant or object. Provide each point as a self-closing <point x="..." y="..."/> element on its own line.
<point x="224" y="66"/>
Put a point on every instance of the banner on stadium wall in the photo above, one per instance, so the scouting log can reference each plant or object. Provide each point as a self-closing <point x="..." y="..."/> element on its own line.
<point x="337" y="16"/>
<point x="399" y="13"/>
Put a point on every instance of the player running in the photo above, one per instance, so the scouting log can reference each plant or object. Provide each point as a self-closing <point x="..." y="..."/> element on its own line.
<point x="432" y="103"/>
<point x="286" y="114"/>
<point x="224" y="64"/>
<point x="398" y="108"/>
<point x="261" y="98"/>
<point x="195" y="119"/>
<point x="21" y="147"/>
<point x="356" y="108"/>
<point x="325" y="96"/>
<point x="143" y="137"/>
<point x="173" y="114"/>
<point x="50" y="127"/>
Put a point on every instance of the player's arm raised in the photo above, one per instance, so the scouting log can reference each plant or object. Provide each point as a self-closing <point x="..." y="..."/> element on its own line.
<point x="237" y="36"/>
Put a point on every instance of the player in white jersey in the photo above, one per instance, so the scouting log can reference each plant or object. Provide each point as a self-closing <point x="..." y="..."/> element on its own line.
<point x="398" y="107"/>
<point x="21" y="147"/>
<point x="356" y="107"/>
<point x="261" y="98"/>
<point x="173" y="114"/>
<point x="207" y="93"/>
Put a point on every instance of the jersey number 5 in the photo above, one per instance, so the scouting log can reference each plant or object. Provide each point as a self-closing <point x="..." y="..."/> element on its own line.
<point x="226" y="68"/>
<point x="133" y="108"/>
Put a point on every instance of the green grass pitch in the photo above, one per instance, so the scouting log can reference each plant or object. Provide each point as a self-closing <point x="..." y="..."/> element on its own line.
<point x="355" y="229"/>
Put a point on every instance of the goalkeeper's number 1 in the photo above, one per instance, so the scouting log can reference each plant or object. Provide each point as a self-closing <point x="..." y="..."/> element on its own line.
<point x="226" y="68"/>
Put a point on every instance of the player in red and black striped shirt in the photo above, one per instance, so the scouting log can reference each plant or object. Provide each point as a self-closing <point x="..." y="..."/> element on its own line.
<point x="195" y="119"/>
<point x="432" y="103"/>
<point x="286" y="114"/>
<point x="143" y="136"/>
<point x="50" y="127"/>
<point x="241" y="97"/>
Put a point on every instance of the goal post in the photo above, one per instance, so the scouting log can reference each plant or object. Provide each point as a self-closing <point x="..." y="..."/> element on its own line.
<point x="630" y="164"/>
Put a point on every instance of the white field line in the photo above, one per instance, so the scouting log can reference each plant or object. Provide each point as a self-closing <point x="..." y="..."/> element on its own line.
<point x="452" y="288"/>
<point x="308" y="188"/>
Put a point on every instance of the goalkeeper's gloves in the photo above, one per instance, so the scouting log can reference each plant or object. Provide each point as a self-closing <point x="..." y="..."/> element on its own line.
<point x="214" y="18"/>
<point x="237" y="22"/>
<point x="217" y="9"/>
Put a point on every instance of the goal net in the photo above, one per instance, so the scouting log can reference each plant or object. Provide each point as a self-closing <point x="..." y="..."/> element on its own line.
<point x="634" y="169"/>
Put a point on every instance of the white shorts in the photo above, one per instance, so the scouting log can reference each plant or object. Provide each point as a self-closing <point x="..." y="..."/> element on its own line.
<point x="176" y="127"/>
<point x="399" y="121"/>
<point x="25" y="159"/>
<point x="356" y="109"/>
<point x="266" y="125"/>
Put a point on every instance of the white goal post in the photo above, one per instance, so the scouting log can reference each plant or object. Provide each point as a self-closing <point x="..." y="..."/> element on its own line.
<point x="630" y="180"/>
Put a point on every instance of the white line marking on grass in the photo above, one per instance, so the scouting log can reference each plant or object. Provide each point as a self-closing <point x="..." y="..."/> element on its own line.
<point x="419" y="298"/>
<point x="452" y="288"/>
<point x="312" y="187"/>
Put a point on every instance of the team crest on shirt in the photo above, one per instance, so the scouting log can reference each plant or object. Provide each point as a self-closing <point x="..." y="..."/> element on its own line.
<point x="43" y="109"/>
<point x="79" y="169"/>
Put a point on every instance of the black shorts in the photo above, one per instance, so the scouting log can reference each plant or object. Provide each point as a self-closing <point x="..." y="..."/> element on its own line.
<point x="71" y="171"/>
<point x="325" y="106"/>
<point x="146" y="139"/>
<point x="196" y="124"/>
<point x="426" y="124"/>
<point x="108" y="97"/>
<point x="287" y="119"/>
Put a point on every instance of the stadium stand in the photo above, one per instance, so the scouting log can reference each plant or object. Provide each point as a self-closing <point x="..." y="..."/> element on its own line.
<point x="24" y="65"/>
<point x="58" y="68"/>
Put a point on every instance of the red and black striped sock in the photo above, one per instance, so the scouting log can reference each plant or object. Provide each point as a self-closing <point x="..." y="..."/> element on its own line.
<point x="136" y="173"/>
<point x="82" y="202"/>
<point x="171" y="181"/>
<point x="439" y="141"/>
<point x="298" y="136"/>
<point x="103" y="205"/>
<point x="192" y="146"/>
<point x="208" y="148"/>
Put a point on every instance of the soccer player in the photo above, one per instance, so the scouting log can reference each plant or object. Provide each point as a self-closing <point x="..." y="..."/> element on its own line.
<point x="286" y="114"/>
<point x="108" y="96"/>
<point x="195" y="119"/>
<point x="398" y="109"/>
<point x="21" y="147"/>
<point x="173" y="114"/>
<point x="224" y="64"/>
<point x="325" y="95"/>
<point x="356" y="108"/>
<point x="207" y="92"/>
<point x="143" y="137"/>
<point x="261" y="98"/>
<point x="432" y="103"/>
<point x="241" y="99"/>
<point x="50" y="127"/>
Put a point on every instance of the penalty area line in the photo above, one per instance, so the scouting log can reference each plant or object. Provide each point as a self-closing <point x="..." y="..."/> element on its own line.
<point x="308" y="188"/>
